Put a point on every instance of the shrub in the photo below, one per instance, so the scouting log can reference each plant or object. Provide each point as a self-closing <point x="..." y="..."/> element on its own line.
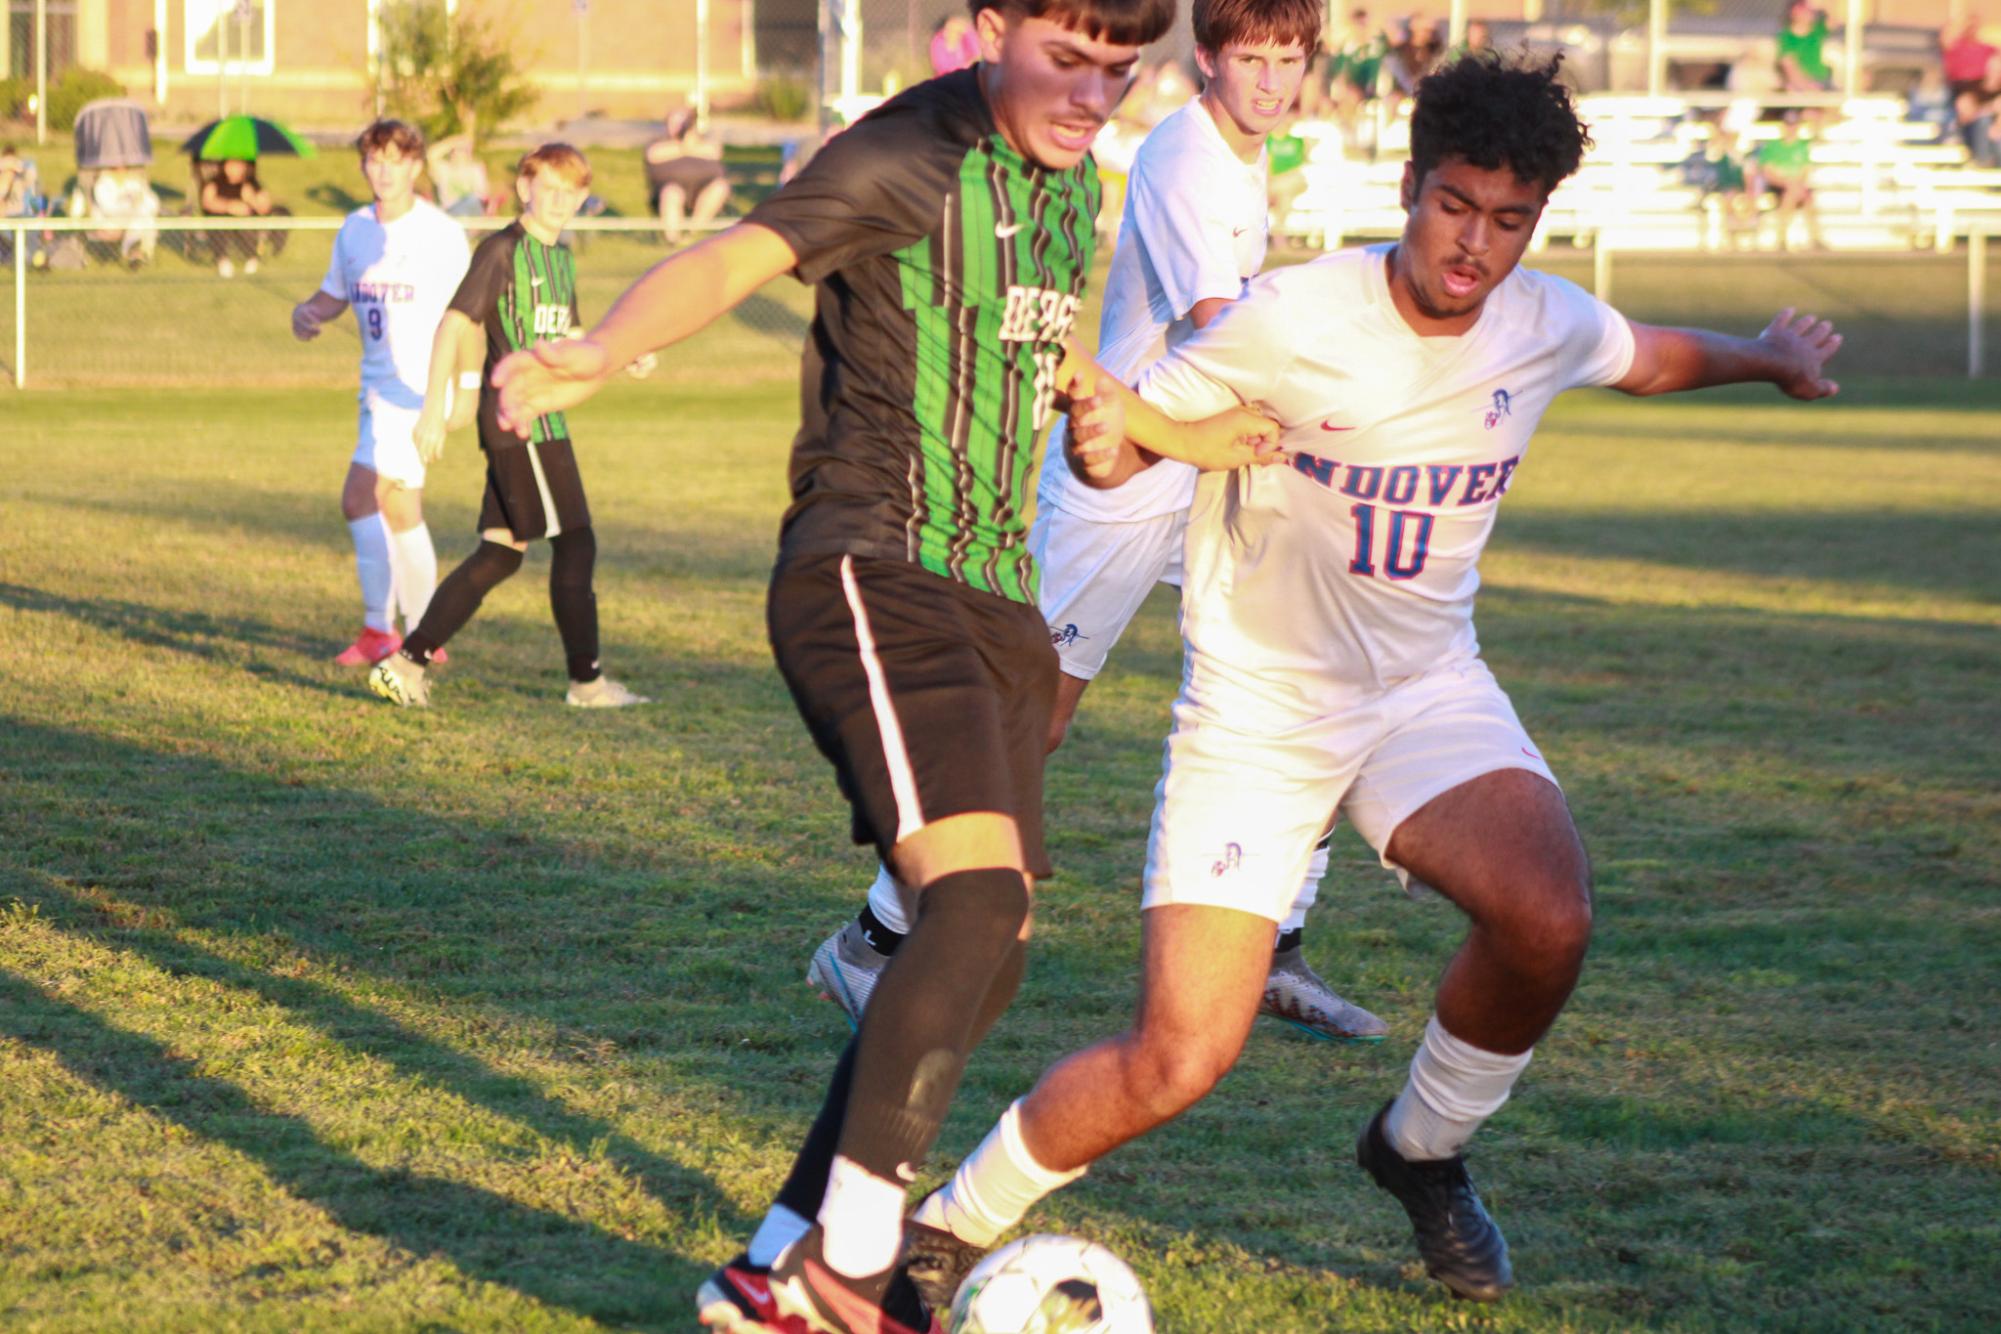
<point x="785" y="97"/>
<point x="73" y="90"/>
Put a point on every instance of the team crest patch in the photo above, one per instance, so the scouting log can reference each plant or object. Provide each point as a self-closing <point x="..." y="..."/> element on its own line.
<point x="1231" y="860"/>
<point x="1068" y="634"/>
<point x="1501" y="406"/>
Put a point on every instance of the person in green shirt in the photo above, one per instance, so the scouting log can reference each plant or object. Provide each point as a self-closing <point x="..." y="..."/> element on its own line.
<point x="1783" y="165"/>
<point x="1803" y="64"/>
<point x="1728" y="184"/>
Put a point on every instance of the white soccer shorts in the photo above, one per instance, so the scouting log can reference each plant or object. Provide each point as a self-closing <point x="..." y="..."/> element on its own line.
<point x="1096" y="576"/>
<point x="388" y="442"/>
<point x="1237" y="812"/>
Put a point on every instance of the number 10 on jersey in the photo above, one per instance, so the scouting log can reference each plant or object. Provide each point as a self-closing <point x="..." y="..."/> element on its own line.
<point x="1406" y="541"/>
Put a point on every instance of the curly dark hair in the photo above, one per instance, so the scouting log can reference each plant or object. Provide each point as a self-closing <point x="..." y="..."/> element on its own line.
<point x="1494" y="111"/>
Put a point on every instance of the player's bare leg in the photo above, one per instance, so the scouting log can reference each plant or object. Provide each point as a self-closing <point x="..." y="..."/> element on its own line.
<point x="1503" y="848"/>
<point x="361" y="507"/>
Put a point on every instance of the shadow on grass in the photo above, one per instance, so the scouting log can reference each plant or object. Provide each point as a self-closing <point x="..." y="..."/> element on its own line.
<point x="562" y="1261"/>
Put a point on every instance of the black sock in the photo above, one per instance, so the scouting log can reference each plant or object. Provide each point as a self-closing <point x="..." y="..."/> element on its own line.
<point x="807" y="1185"/>
<point x="920" y="1021"/>
<point x="879" y="937"/>
<point x="459" y="596"/>
<point x="1289" y="940"/>
<point x="574" y="556"/>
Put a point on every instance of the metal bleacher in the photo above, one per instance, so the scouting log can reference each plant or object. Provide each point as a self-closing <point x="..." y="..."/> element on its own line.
<point x="1881" y="181"/>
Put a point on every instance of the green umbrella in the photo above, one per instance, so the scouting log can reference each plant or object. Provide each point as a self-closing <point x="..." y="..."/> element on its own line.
<point x="245" y="137"/>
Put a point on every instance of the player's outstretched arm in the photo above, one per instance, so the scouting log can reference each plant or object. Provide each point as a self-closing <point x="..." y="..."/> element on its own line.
<point x="1115" y="434"/>
<point x="310" y="314"/>
<point x="675" y="298"/>
<point x="1791" y="353"/>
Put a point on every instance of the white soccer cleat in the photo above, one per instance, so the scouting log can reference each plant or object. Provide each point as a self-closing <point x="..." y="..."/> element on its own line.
<point x="401" y="682"/>
<point x="846" y="968"/>
<point x="603" y="693"/>
<point x="1302" y="998"/>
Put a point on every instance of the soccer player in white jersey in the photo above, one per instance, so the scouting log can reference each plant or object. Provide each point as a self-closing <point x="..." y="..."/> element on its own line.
<point x="397" y="262"/>
<point x="1194" y="229"/>
<point x="1332" y="664"/>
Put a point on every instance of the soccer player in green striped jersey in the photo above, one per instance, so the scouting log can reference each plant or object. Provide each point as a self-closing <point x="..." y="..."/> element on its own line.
<point x="949" y="234"/>
<point x="521" y="288"/>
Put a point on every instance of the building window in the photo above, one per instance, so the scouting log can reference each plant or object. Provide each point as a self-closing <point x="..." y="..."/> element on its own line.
<point x="21" y="38"/>
<point x="235" y="33"/>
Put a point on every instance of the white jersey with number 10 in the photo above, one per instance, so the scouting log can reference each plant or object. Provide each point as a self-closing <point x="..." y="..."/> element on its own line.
<point x="1354" y="566"/>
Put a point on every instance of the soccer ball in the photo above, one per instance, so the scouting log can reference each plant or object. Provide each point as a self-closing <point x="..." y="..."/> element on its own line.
<point x="1051" y="1285"/>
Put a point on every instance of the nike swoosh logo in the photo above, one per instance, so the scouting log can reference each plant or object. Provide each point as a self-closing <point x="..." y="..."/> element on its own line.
<point x="1328" y="426"/>
<point x="845" y="1306"/>
<point x="1238" y="231"/>
<point x="1008" y="229"/>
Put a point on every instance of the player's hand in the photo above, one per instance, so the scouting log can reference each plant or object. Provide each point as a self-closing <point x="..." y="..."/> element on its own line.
<point x="1804" y="344"/>
<point x="305" y="322"/>
<point x="429" y="435"/>
<point x="1097" y="419"/>
<point x="1239" y="438"/>
<point x="643" y="367"/>
<point x="546" y="378"/>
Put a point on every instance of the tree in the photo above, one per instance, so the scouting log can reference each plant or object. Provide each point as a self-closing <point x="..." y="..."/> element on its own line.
<point x="450" y="74"/>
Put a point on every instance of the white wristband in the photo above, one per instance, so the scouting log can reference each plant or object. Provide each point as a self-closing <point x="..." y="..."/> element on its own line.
<point x="470" y="379"/>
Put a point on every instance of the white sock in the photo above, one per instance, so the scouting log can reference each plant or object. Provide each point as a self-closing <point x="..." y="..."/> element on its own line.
<point x="994" y="1188"/>
<point x="885" y="900"/>
<point x="371" y="566"/>
<point x="861" y="1220"/>
<point x="1309" y="888"/>
<point x="780" y="1228"/>
<point x="1453" y="1087"/>
<point x="415" y="562"/>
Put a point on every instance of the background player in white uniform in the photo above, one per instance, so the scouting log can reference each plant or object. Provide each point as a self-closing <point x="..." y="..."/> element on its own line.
<point x="1332" y="662"/>
<point x="397" y="262"/>
<point x="1195" y="227"/>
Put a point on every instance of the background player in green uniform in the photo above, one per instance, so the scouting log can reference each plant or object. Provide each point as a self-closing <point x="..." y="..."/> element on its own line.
<point x="949" y="234"/>
<point x="521" y="287"/>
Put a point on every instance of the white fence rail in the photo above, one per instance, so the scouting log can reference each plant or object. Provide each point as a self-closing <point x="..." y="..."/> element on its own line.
<point x="175" y="322"/>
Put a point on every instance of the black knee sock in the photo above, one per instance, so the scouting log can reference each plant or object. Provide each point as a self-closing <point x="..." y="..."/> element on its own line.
<point x="806" y="1186"/>
<point x="920" y="1021"/>
<point x="459" y="596"/>
<point x="574" y="555"/>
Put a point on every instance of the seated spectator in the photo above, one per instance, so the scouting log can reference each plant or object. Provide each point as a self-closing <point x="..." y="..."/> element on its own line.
<point x="1972" y="72"/>
<point x="1355" y="53"/>
<point x="124" y="195"/>
<point x="954" y="45"/>
<point x="1416" y="55"/>
<point x="20" y="197"/>
<point x="1783" y="166"/>
<point x="1479" y="40"/>
<point x="1802" y="61"/>
<point x="459" y="177"/>
<point x="1725" y="181"/>
<point x="233" y="192"/>
<point x="684" y="176"/>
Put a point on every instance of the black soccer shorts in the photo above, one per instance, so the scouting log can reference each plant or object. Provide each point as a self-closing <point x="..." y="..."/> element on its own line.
<point x="930" y="698"/>
<point x="534" y="491"/>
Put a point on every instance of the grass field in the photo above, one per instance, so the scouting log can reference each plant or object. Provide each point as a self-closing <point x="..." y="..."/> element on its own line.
<point x="318" y="1015"/>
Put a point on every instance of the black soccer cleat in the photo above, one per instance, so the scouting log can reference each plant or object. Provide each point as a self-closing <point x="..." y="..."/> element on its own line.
<point x="936" y="1262"/>
<point x="1459" y="1244"/>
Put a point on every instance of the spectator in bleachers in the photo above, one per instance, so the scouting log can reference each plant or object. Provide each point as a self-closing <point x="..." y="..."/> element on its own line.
<point x="234" y="192"/>
<point x="1355" y="53"/>
<point x="1417" y="54"/>
<point x="1784" y="165"/>
<point x="1479" y="38"/>
<point x="20" y="197"/>
<point x="459" y="177"/>
<point x="684" y="175"/>
<point x="1972" y="72"/>
<point x="1725" y="181"/>
<point x="123" y="195"/>
<point x="1802" y="57"/>
<point x="954" y="45"/>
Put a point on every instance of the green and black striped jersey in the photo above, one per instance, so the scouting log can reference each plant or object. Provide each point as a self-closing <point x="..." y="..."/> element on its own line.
<point x="522" y="293"/>
<point x="950" y="268"/>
